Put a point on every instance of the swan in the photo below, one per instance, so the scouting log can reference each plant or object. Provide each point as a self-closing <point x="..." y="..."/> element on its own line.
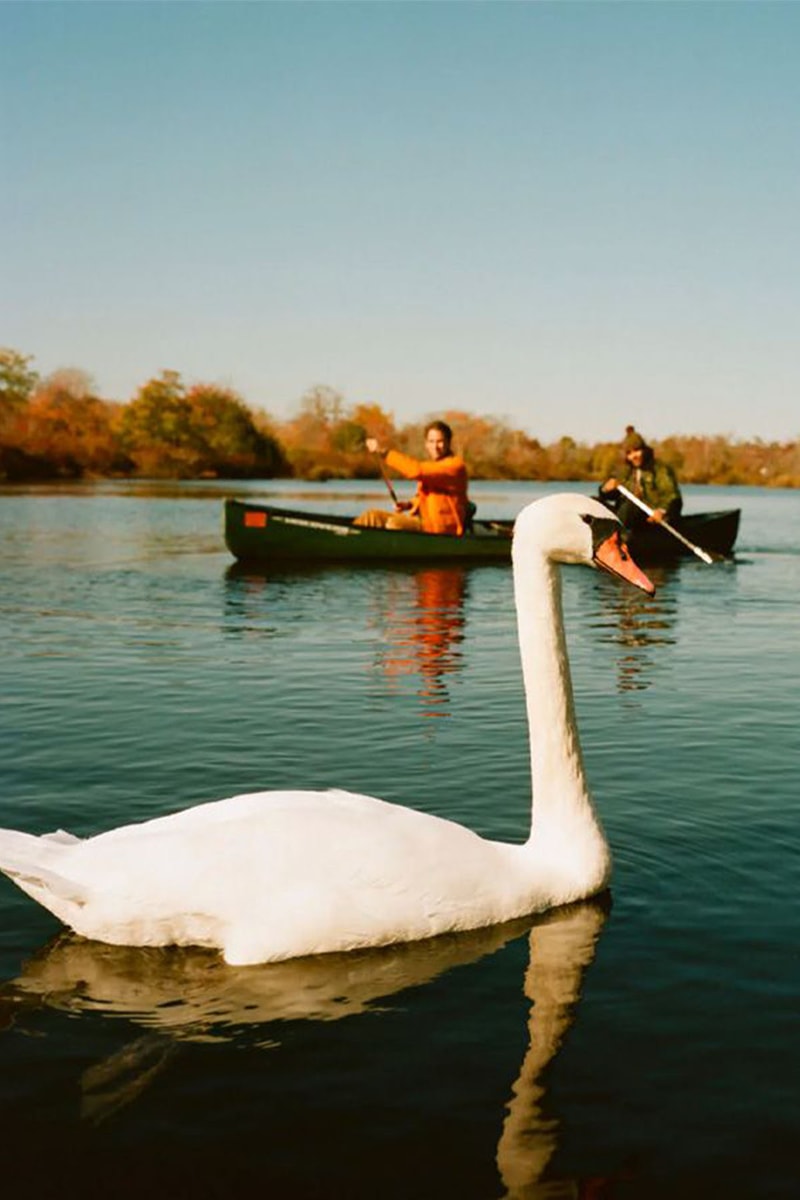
<point x="270" y="876"/>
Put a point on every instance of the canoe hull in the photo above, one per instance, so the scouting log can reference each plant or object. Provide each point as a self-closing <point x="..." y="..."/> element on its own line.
<point x="263" y="533"/>
<point x="714" y="532"/>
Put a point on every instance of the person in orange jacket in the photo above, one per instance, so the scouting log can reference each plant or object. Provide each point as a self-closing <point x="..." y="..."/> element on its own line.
<point x="440" y="504"/>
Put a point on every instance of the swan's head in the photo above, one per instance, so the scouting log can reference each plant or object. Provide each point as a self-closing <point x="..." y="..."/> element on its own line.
<point x="576" y="529"/>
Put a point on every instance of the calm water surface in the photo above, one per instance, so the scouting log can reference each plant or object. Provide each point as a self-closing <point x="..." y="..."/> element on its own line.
<point x="646" y="1046"/>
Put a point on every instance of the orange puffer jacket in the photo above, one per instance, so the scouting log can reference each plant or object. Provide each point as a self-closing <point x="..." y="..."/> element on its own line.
<point x="441" y="499"/>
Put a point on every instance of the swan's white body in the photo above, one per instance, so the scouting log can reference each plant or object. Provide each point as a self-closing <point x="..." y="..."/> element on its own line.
<point x="275" y="875"/>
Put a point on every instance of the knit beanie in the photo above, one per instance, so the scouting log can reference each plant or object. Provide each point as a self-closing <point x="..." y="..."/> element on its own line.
<point x="633" y="441"/>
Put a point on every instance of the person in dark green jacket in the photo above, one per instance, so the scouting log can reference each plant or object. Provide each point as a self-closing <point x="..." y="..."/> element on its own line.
<point x="647" y="477"/>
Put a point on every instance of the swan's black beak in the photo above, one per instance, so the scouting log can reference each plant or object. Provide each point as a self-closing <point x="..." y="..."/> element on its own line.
<point x="611" y="553"/>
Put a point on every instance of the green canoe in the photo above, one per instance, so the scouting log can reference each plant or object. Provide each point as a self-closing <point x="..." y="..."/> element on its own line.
<point x="263" y="533"/>
<point x="714" y="532"/>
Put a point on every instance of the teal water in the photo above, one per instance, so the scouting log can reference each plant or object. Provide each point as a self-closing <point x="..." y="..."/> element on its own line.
<point x="643" y="1047"/>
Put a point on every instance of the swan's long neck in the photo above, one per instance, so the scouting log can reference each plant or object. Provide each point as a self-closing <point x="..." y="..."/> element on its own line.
<point x="562" y="808"/>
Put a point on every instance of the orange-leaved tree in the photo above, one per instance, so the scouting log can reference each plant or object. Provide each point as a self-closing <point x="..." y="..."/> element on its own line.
<point x="69" y="430"/>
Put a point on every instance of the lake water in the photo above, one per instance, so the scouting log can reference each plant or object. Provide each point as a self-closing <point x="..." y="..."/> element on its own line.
<point x="645" y="1046"/>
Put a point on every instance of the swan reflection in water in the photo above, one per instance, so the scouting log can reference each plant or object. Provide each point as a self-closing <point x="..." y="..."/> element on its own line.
<point x="421" y="619"/>
<point x="182" y="995"/>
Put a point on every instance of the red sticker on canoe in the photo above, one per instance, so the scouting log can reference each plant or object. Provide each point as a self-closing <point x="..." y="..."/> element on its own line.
<point x="255" y="520"/>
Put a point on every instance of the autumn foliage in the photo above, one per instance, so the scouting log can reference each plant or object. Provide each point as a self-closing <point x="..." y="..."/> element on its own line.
<point x="58" y="428"/>
<point x="169" y="431"/>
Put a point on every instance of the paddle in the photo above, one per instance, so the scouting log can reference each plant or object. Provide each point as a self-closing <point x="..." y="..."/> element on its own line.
<point x="385" y="477"/>
<point x="702" y="554"/>
<point x="387" y="480"/>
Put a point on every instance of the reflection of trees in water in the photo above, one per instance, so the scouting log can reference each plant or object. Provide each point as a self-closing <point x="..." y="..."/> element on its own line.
<point x="179" y="995"/>
<point x="639" y="625"/>
<point x="421" y="619"/>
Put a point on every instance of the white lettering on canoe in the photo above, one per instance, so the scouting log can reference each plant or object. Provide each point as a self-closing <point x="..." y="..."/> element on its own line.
<point x="339" y="530"/>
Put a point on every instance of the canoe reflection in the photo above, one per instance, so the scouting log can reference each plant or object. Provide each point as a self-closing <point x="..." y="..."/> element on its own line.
<point x="184" y="994"/>
<point x="421" y="621"/>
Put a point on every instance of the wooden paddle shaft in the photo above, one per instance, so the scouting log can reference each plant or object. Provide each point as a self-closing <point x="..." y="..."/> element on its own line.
<point x="386" y="479"/>
<point x="702" y="554"/>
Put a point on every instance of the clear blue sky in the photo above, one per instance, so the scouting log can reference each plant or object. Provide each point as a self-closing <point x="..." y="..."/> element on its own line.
<point x="569" y="215"/>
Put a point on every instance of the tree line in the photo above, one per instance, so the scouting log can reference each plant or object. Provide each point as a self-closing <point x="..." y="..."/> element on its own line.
<point x="57" y="427"/>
